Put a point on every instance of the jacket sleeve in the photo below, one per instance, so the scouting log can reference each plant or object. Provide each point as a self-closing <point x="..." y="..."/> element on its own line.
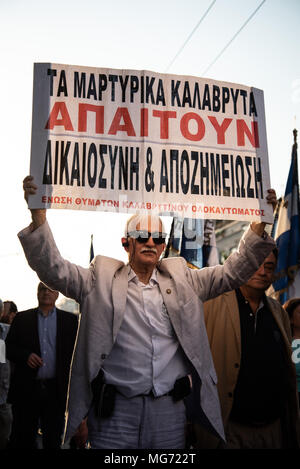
<point x="210" y="282"/>
<point x="15" y="351"/>
<point x="44" y="258"/>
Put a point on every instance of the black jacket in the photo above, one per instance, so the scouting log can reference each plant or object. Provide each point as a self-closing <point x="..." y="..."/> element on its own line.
<point x="23" y="339"/>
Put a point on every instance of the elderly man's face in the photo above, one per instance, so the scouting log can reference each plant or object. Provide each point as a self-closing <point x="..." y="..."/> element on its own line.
<point x="147" y="253"/>
<point x="264" y="276"/>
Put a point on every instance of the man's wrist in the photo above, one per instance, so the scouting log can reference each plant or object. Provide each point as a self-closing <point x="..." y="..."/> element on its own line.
<point x="259" y="229"/>
<point x="38" y="217"/>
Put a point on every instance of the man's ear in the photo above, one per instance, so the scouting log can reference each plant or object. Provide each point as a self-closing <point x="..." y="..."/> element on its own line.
<point x="125" y="243"/>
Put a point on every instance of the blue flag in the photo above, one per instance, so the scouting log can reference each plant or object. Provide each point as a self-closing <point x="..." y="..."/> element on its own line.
<point x="286" y="232"/>
<point x="193" y="239"/>
<point x="192" y="242"/>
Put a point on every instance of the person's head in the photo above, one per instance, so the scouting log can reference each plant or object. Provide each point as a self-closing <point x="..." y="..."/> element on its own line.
<point x="9" y="311"/>
<point x="144" y="240"/>
<point x="292" y="307"/>
<point x="265" y="275"/>
<point x="46" y="297"/>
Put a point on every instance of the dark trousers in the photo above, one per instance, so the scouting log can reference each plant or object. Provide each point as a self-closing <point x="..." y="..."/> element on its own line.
<point x="42" y="411"/>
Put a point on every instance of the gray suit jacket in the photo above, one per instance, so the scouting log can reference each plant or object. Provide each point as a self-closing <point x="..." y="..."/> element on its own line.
<point x="101" y="291"/>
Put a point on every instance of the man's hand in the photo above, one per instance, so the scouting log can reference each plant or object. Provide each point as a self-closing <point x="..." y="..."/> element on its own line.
<point x="258" y="227"/>
<point x="38" y="215"/>
<point x="34" y="361"/>
<point x="81" y="435"/>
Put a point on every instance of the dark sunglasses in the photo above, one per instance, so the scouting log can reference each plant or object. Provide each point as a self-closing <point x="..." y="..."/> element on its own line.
<point x="143" y="236"/>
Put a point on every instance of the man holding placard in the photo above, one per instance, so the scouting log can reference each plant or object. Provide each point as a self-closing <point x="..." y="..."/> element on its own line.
<point x="145" y="143"/>
<point x="142" y="349"/>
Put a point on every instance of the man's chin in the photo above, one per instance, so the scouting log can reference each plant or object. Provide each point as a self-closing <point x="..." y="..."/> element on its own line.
<point x="258" y="285"/>
<point x="149" y="258"/>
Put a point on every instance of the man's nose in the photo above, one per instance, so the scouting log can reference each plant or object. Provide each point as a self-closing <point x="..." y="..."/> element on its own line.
<point x="261" y="270"/>
<point x="150" y="241"/>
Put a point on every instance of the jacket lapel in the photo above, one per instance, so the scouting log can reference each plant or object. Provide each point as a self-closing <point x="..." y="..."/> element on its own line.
<point x="59" y="336"/>
<point x="119" y="296"/>
<point x="33" y="325"/>
<point x="234" y="315"/>
<point x="169" y="294"/>
<point x="277" y="316"/>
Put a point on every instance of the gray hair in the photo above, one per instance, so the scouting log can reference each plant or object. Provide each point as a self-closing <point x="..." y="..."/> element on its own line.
<point x="137" y="218"/>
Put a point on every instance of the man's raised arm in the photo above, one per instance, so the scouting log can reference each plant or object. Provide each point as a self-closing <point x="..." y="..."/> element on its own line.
<point x="259" y="227"/>
<point x="38" y="215"/>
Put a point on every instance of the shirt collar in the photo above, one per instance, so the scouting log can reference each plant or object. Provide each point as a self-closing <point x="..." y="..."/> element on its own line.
<point x="52" y="311"/>
<point x="133" y="277"/>
<point x="241" y="298"/>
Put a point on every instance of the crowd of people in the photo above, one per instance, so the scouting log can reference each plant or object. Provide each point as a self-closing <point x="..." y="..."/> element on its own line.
<point x="161" y="357"/>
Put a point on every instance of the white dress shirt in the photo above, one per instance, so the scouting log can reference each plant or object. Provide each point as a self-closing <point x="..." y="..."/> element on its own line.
<point x="146" y="355"/>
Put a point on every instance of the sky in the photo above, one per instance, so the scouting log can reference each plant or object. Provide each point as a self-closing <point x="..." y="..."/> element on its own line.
<point x="139" y="35"/>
